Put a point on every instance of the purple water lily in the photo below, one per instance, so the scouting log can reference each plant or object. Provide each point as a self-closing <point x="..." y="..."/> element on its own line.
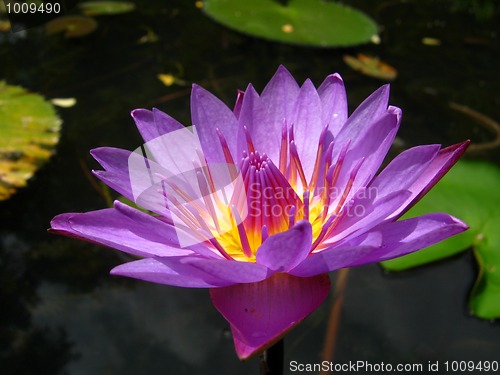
<point x="305" y="200"/>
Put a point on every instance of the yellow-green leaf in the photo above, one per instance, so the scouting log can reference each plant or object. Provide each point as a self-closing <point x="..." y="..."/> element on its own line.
<point x="29" y="128"/>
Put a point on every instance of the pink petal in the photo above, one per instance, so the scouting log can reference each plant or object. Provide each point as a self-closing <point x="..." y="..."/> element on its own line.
<point x="285" y="250"/>
<point x="262" y="313"/>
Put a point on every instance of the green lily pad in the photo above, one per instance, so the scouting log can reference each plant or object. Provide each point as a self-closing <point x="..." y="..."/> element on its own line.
<point x="470" y="192"/>
<point x="307" y="22"/>
<point x="98" y="8"/>
<point x="30" y="129"/>
<point x="72" y="26"/>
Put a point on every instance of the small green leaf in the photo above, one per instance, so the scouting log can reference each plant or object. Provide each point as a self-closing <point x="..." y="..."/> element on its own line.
<point x="307" y="22"/>
<point x="30" y="129"/>
<point x="469" y="192"/>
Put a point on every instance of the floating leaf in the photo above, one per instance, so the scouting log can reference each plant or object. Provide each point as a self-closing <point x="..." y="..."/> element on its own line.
<point x="308" y="22"/>
<point x="4" y="26"/>
<point x="169" y="80"/>
<point x="428" y="41"/>
<point x="30" y="129"/>
<point x="63" y="102"/>
<point x="371" y="66"/>
<point x="470" y="192"/>
<point x="72" y="26"/>
<point x="149" y="37"/>
<point x="98" y="8"/>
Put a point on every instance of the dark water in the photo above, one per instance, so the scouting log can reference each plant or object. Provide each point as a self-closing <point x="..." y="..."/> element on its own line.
<point x="61" y="313"/>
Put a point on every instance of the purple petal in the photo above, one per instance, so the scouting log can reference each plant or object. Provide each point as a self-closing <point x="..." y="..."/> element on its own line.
<point x="334" y="101"/>
<point x="229" y="270"/>
<point x="117" y="182"/>
<point x="386" y="241"/>
<point x="406" y="236"/>
<point x="308" y="125"/>
<point x="283" y="251"/>
<point x="338" y="257"/>
<point x="120" y="167"/>
<point x="239" y="103"/>
<point x="170" y="271"/>
<point x="441" y="164"/>
<point x="364" y="212"/>
<point x="115" y="162"/>
<point x="277" y="104"/>
<point x="154" y="124"/>
<point x="261" y="313"/>
<point x="402" y="172"/>
<point x="123" y="228"/>
<point x="370" y="149"/>
<point x="208" y="113"/>
<point x="250" y="105"/>
<point x="369" y="111"/>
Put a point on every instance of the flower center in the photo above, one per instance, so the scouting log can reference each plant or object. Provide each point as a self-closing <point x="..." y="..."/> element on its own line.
<point x="278" y="197"/>
<point x="266" y="199"/>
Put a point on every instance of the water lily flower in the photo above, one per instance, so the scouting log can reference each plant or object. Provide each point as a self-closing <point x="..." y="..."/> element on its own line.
<point x="304" y="199"/>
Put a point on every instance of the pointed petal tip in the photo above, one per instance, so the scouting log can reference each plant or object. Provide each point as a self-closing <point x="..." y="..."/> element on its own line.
<point x="283" y="73"/>
<point x="196" y="90"/>
<point x="96" y="151"/>
<point x="460" y="147"/>
<point x="282" y="68"/>
<point x="396" y="111"/>
<point x="60" y="223"/>
<point x="138" y="112"/>
<point x="336" y="76"/>
<point x="463" y="226"/>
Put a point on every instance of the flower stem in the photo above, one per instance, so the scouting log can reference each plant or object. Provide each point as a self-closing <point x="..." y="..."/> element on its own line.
<point x="272" y="359"/>
<point x="334" y="319"/>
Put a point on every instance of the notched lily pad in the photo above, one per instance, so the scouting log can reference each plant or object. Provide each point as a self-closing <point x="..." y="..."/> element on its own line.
<point x="307" y="22"/>
<point x="98" y="8"/>
<point x="30" y="129"/>
<point x="470" y="192"/>
<point x="72" y="26"/>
